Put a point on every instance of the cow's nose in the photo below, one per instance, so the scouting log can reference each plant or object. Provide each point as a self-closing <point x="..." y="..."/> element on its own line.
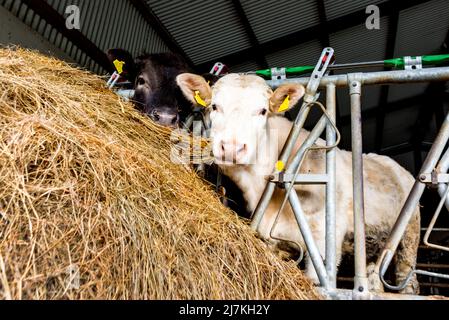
<point x="232" y="151"/>
<point x="165" y="119"/>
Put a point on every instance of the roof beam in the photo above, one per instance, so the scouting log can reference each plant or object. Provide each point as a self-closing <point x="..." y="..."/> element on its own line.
<point x="393" y="22"/>
<point x="324" y="30"/>
<point x="308" y="34"/>
<point x="49" y="14"/>
<point x="144" y="9"/>
<point x="260" y="58"/>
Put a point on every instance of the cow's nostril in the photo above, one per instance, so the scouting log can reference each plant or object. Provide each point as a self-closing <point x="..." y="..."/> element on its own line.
<point x="174" y="120"/>
<point x="222" y="146"/>
<point x="155" y="115"/>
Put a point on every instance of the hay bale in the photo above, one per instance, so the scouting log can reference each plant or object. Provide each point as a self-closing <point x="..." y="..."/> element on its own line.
<point x="87" y="185"/>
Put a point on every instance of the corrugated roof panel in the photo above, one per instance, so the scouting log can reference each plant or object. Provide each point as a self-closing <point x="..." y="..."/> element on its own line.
<point x="338" y="8"/>
<point x="114" y="24"/>
<point x="358" y="44"/>
<point x="204" y="29"/>
<point x="303" y="54"/>
<point x="245" y="67"/>
<point x="273" y="19"/>
<point x="422" y="28"/>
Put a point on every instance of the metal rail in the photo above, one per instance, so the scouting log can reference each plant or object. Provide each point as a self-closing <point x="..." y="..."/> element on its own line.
<point x="375" y="78"/>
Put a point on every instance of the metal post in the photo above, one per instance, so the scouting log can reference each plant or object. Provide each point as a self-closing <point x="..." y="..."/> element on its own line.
<point x="443" y="167"/>
<point x="331" y="254"/>
<point x="312" y="249"/>
<point x="413" y="199"/>
<point x="360" y="278"/>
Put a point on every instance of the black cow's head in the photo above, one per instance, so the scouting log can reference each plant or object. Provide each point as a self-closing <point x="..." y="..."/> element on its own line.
<point x="154" y="79"/>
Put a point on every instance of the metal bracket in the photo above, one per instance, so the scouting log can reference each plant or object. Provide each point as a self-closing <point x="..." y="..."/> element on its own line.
<point x="217" y="68"/>
<point x="434" y="178"/>
<point x="300" y="178"/>
<point x="318" y="73"/>
<point x="412" y="63"/>
<point x="278" y="74"/>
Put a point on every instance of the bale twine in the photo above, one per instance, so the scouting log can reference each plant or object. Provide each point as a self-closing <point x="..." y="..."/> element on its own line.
<point x="91" y="207"/>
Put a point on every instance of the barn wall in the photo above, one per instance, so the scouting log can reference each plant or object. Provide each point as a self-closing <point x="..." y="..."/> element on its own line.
<point x="15" y="32"/>
<point x="106" y="23"/>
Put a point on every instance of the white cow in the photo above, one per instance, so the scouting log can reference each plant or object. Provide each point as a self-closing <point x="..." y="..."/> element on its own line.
<point x="247" y="137"/>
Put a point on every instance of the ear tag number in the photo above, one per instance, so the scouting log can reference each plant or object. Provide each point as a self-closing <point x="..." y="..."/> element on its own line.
<point x="119" y="65"/>
<point x="199" y="100"/>
<point x="285" y="105"/>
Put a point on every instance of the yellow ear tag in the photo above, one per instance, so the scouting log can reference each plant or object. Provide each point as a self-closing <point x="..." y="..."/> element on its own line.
<point x="199" y="100"/>
<point x="119" y="65"/>
<point x="280" y="166"/>
<point x="284" y="105"/>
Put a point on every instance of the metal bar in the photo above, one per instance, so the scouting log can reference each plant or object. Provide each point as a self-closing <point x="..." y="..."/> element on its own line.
<point x="412" y="201"/>
<point x="344" y="294"/>
<point x="441" y="178"/>
<point x="310" y="140"/>
<point x="432" y="224"/>
<point x="360" y="277"/>
<point x="312" y="249"/>
<point x="300" y="178"/>
<point x="380" y="77"/>
<point x="262" y="205"/>
<point x="443" y="167"/>
<point x="331" y="248"/>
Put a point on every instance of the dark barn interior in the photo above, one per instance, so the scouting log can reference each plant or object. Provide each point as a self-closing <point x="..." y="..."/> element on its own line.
<point x="400" y="121"/>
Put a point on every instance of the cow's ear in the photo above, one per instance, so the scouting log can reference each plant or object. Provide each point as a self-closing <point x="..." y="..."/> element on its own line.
<point x="120" y="57"/>
<point x="286" y="96"/>
<point x="195" y="88"/>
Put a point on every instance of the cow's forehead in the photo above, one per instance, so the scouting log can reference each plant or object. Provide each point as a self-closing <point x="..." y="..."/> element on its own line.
<point x="238" y="91"/>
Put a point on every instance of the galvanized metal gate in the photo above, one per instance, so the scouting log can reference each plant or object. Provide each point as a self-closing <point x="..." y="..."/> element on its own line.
<point x="433" y="171"/>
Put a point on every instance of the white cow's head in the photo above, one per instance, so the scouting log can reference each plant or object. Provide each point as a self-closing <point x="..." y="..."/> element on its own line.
<point x="239" y="109"/>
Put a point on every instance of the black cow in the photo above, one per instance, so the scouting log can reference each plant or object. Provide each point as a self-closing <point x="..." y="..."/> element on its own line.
<point x="153" y="78"/>
<point x="157" y="94"/>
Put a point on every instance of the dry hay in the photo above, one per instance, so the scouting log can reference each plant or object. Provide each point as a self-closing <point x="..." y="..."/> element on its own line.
<point x="86" y="183"/>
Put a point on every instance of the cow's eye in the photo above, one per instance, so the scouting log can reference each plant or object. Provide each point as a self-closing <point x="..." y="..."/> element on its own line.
<point x="263" y="112"/>
<point x="141" y="81"/>
<point x="214" y="107"/>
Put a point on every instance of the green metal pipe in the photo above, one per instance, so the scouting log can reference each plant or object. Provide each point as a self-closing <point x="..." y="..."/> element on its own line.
<point x="396" y="63"/>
